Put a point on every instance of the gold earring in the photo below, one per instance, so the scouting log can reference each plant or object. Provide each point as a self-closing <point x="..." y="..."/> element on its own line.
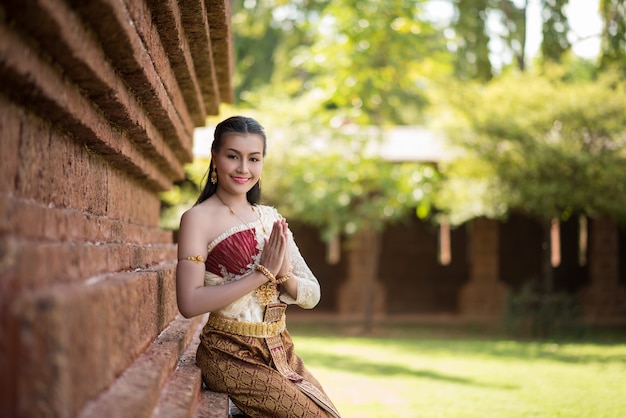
<point x="214" y="176"/>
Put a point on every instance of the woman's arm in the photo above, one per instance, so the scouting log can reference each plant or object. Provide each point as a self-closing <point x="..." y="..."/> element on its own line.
<point x="302" y="288"/>
<point x="192" y="296"/>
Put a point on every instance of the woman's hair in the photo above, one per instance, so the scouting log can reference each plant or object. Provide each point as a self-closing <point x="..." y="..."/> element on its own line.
<point x="234" y="124"/>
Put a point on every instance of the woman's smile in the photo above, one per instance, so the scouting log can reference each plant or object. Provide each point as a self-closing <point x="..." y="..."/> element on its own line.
<point x="240" y="180"/>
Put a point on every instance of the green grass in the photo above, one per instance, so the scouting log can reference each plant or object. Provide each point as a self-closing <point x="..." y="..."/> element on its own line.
<point x="463" y="371"/>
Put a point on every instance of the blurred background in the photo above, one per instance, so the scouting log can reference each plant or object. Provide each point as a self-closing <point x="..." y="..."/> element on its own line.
<point x="441" y="157"/>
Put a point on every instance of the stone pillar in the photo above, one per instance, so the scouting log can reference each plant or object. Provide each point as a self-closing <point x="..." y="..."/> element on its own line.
<point x="604" y="299"/>
<point x="484" y="295"/>
<point x="362" y="281"/>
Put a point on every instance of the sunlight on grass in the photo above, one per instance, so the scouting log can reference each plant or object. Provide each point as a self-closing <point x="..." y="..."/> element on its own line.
<point x="425" y="376"/>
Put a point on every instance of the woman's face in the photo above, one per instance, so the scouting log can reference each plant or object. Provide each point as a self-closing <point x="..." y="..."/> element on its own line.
<point x="239" y="162"/>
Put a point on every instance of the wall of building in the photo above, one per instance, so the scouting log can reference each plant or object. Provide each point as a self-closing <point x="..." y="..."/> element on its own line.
<point x="489" y="260"/>
<point x="98" y="104"/>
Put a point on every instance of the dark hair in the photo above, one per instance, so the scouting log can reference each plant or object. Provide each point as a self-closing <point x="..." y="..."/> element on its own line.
<point x="234" y="124"/>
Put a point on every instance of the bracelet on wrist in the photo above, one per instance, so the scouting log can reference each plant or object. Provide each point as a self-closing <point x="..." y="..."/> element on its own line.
<point x="265" y="271"/>
<point x="285" y="277"/>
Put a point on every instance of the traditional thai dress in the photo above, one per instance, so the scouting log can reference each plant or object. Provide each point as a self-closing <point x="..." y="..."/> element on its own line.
<point x="245" y="349"/>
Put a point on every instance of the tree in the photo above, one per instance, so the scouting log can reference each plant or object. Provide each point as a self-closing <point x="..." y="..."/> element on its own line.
<point x="613" y="53"/>
<point x="340" y="189"/>
<point x="472" y="40"/>
<point x="266" y="35"/>
<point x="512" y="18"/>
<point x="553" y="149"/>
<point x="554" y="30"/>
<point x="372" y="60"/>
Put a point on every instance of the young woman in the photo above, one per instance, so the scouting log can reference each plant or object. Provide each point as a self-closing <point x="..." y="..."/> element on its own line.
<point x="238" y="261"/>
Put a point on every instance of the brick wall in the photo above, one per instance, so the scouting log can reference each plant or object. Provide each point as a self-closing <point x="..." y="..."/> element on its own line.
<point x="98" y="104"/>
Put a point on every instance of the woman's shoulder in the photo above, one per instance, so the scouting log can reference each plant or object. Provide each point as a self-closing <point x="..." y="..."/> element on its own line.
<point x="204" y="220"/>
<point x="199" y="213"/>
<point x="194" y="211"/>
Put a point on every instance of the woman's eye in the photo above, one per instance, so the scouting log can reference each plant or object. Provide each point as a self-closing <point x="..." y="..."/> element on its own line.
<point x="232" y="157"/>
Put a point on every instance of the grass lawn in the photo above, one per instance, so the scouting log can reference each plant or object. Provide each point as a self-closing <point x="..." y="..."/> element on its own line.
<point x="403" y="370"/>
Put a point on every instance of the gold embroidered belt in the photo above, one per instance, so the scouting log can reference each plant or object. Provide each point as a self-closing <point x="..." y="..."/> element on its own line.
<point x="248" y="329"/>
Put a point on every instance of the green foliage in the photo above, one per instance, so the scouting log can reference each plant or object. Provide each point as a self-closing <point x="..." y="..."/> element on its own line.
<point x="267" y="35"/>
<point x="554" y="31"/>
<point x="337" y="64"/>
<point x="469" y="189"/>
<point x="549" y="145"/>
<point x="472" y="40"/>
<point x="511" y="15"/>
<point x="374" y="60"/>
<point x="335" y="186"/>
<point x="613" y="54"/>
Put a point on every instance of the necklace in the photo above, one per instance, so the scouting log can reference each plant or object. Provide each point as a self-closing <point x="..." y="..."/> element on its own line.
<point x="237" y="215"/>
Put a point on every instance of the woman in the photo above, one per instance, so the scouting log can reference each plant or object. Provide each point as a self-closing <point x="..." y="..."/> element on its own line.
<point x="238" y="260"/>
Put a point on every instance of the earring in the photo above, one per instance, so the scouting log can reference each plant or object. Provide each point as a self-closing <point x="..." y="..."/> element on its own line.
<point x="214" y="176"/>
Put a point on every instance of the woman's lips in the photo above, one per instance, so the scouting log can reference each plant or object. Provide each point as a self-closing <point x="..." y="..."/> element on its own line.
<point x="240" y="180"/>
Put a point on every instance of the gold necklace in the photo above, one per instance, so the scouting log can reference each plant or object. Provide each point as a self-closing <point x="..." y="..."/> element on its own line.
<point x="235" y="213"/>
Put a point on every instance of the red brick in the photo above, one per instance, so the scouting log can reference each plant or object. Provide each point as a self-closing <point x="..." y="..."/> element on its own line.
<point x="121" y="42"/>
<point x="168" y="308"/>
<point x="60" y="101"/>
<point x="142" y="20"/>
<point x="9" y="327"/>
<point x="180" y="393"/>
<point x="91" y="132"/>
<point x="60" y="29"/>
<point x="194" y="18"/>
<point x="129" y="202"/>
<point x="106" y="324"/>
<point x="218" y="13"/>
<point x="5" y="208"/>
<point x="212" y="405"/>
<point x="136" y="392"/>
<point x="166" y="15"/>
<point x="9" y="151"/>
<point x="41" y="264"/>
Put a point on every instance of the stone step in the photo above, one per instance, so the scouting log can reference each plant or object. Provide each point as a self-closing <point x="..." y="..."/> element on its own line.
<point x="211" y="405"/>
<point x="137" y="391"/>
<point x="183" y="395"/>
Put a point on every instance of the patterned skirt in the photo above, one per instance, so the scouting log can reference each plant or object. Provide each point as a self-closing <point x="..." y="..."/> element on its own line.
<point x="246" y="368"/>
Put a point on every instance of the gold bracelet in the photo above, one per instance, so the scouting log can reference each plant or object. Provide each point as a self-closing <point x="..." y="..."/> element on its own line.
<point x="264" y="270"/>
<point x="195" y="258"/>
<point x="283" y="279"/>
<point x="287" y="276"/>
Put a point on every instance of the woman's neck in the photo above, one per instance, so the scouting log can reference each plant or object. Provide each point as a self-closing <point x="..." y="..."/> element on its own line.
<point x="231" y="200"/>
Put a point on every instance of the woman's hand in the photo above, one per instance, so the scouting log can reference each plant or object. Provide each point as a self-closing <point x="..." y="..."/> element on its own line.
<point x="274" y="252"/>
<point x="285" y="268"/>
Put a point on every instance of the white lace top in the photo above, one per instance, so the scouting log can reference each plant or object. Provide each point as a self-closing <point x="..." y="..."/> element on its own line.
<point x="245" y="243"/>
